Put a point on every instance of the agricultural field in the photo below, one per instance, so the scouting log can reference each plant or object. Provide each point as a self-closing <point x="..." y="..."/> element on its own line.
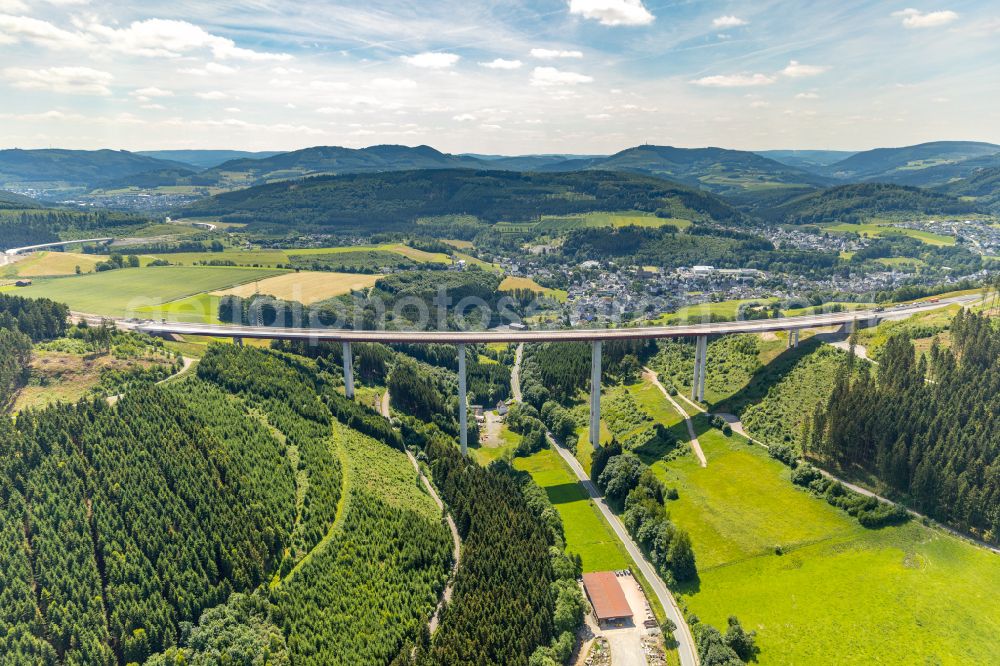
<point x="262" y="257"/>
<point x="306" y="287"/>
<point x="49" y="263"/>
<point x="600" y="219"/>
<point x="128" y="291"/>
<point x="875" y="229"/>
<point x="198" y="309"/>
<point x="861" y="596"/>
<point x="418" y="256"/>
<point x="511" y="283"/>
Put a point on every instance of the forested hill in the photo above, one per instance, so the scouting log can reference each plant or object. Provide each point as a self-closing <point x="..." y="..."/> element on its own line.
<point x="855" y="203"/>
<point x="716" y="169"/>
<point x="369" y="202"/>
<point x="77" y="168"/>
<point x="11" y="201"/>
<point x="983" y="185"/>
<point x="927" y="428"/>
<point x="892" y="164"/>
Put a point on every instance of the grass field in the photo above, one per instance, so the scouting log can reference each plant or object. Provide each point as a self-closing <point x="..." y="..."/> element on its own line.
<point x="586" y="531"/>
<point x="129" y="291"/>
<point x="268" y="258"/>
<point x="511" y="283"/>
<point x="398" y="248"/>
<point x="875" y="230"/>
<point x="722" y="309"/>
<point x="197" y="309"/>
<point x="601" y="219"/>
<point x="305" y="286"/>
<point x="839" y="593"/>
<point x="52" y="263"/>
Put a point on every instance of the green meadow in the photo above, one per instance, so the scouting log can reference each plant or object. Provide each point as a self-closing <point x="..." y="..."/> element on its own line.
<point x="876" y="229"/>
<point x="133" y="291"/>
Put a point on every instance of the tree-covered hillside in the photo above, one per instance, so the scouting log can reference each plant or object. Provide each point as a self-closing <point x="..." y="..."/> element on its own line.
<point x="376" y="202"/>
<point x="80" y="168"/>
<point x="855" y="203"/>
<point x="927" y="429"/>
<point x="715" y="169"/>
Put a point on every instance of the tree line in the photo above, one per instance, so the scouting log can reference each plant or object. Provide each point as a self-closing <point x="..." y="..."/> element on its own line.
<point x="928" y="427"/>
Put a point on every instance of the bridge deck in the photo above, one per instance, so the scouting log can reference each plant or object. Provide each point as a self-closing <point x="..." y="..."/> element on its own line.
<point x="555" y="335"/>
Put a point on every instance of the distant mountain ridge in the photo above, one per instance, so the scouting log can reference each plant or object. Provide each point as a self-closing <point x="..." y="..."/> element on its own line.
<point x="206" y="159"/>
<point x="905" y="164"/>
<point x="718" y="170"/>
<point x="74" y="168"/>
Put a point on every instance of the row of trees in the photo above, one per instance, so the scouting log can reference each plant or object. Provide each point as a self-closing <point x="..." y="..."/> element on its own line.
<point x="38" y="318"/>
<point x="629" y="483"/>
<point x="927" y="428"/>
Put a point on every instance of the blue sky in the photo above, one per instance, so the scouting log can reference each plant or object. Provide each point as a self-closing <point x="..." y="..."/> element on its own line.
<point x="578" y="76"/>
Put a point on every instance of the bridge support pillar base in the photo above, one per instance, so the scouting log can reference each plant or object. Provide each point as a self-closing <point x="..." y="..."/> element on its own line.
<point x="595" y="393"/>
<point x="238" y="342"/>
<point x="348" y="371"/>
<point x="463" y="409"/>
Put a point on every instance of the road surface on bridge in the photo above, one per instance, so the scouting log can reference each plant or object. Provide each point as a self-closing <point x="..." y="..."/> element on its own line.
<point x="554" y="335"/>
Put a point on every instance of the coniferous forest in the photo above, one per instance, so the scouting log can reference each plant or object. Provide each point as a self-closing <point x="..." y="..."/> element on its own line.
<point x="926" y="428"/>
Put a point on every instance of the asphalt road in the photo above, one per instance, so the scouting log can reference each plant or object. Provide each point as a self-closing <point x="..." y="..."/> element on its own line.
<point x="556" y="335"/>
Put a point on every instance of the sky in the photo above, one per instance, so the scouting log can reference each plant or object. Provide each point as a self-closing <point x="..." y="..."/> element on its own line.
<point x="497" y="77"/>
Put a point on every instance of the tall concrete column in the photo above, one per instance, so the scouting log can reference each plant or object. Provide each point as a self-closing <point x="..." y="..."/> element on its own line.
<point x="703" y="341"/>
<point x="348" y="371"/>
<point x="463" y="408"/>
<point x="238" y="342"/>
<point x="795" y="339"/>
<point x="595" y="393"/>
<point x="697" y="368"/>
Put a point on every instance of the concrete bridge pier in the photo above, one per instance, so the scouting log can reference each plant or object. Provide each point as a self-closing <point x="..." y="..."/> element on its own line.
<point x="463" y="408"/>
<point x="793" y="338"/>
<point x="595" y="393"/>
<point x="348" y="371"/>
<point x="238" y="341"/>
<point x="700" y="362"/>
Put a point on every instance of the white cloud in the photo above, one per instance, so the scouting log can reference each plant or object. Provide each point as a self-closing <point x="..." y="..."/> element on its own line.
<point x="74" y="80"/>
<point x="549" y="54"/>
<point x="734" y="80"/>
<point x="12" y="6"/>
<point x="550" y="76"/>
<point x="393" y="84"/>
<point x="914" y="18"/>
<point x="151" y="92"/>
<point x="597" y="116"/>
<point x="163" y="38"/>
<point x="212" y="95"/>
<point x="500" y="63"/>
<point x="728" y="22"/>
<point x="807" y="95"/>
<point x="209" y="69"/>
<point x="612" y="12"/>
<point x="797" y="70"/>
<point x="335" y="111"/>
<point x="153" y="107"/>
<point x="40" y="32"/>
<point x="759" y="104"/>
<point x="464" y="117"/>
<point x="431" y="60"/>
<point x="232" y="109"/>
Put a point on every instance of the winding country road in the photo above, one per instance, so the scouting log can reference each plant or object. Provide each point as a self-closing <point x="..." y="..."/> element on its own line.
<point x="695" y="444"/>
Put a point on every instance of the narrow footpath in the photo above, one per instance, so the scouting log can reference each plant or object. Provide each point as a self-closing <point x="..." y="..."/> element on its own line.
<point x="685" y="639"/>
<point x="695" y="444"/>
<point x="186" y="365"/>
<point x="432" y="625"/>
